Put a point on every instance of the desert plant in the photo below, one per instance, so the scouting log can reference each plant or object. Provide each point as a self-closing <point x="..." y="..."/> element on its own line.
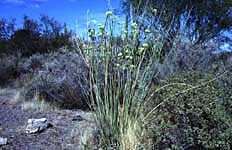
<point x="198" y="119"/>
<point x="120" y="80"/>
<point x="8" y="68"/>
<point x="121" y="84"/>
<point x="58" y="78"/>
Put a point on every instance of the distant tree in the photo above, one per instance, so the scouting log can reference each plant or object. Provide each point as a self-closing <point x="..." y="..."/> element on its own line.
<point x="66" y="35"/>
<point x="41" y="36"/>
<point x="26" y="42"/>
<point x="7" y="28"/>
<point x="54" y="34"/>
<point x="27" y="39"/>
<point x="31" y="25"/>
<point x="51" y="27"/>
<point x="200" y="20"/>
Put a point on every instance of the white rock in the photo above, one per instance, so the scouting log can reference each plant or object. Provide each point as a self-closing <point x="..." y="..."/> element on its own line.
<point x="36" y="125"/>
<point x="3" y="141"/>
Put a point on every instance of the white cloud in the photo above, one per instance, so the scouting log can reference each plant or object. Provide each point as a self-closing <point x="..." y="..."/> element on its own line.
<point x="25" y="3"/>
<point x="36" y="3"/>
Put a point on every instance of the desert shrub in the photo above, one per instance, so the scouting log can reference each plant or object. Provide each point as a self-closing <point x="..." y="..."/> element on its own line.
<point x="28" y="68"/>
<point x="60" y="79"/>
<point x="226" y="99"/>
<point x="8" y="68"/>
<point x="185" y="57"/>
<point x="25" y="42"/>
<point x="193" y="120"/>
<point x="32" y="64"/>
<point x="3" y="46"/>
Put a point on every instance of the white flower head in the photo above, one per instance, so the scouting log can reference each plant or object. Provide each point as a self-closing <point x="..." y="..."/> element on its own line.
<point x="120" y="55"/>
<point x="147" y="31"/>
<point x="109" y="13"/>
<point x="145" y="45"/>
<point x="154" y="11"/>
<point x="134" y="25"/>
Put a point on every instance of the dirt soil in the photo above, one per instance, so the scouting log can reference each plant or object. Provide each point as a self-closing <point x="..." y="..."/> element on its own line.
<point x="65" y="134"/>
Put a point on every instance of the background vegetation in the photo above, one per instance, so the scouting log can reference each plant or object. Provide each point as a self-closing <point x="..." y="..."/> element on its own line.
<point x="41" y="36"/>
<point x="163" y="83"/>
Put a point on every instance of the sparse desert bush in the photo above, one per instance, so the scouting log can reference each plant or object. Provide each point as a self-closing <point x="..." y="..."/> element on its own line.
<point x="32" y="64"/>
<point x="186" y="57"/>
<point x="8" y="68"/>
<point x="60" y="79"/>
<point x="38" y="105"/>
<point x="193" y="120"/>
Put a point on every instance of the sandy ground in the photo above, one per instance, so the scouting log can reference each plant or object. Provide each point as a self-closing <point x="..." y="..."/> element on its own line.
<point x="66" y="133"/>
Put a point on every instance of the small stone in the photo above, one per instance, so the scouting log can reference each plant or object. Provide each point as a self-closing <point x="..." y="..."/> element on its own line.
<point x="77" y="118"/>
<point x="36" y="125"/>
<point x="3" y="141"/>
<point x="12" y="136"/>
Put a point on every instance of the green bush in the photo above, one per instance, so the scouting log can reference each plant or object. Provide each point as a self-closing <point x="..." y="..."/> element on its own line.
<point x="193" y="120"/>
<point x="8" y="69"/>
<point x="3" y="47"/>
<point x="25" y="41"/>
<point x="226" y="85"/>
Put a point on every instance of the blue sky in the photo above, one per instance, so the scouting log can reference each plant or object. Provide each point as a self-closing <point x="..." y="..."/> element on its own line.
<point x="73" y="12"/>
